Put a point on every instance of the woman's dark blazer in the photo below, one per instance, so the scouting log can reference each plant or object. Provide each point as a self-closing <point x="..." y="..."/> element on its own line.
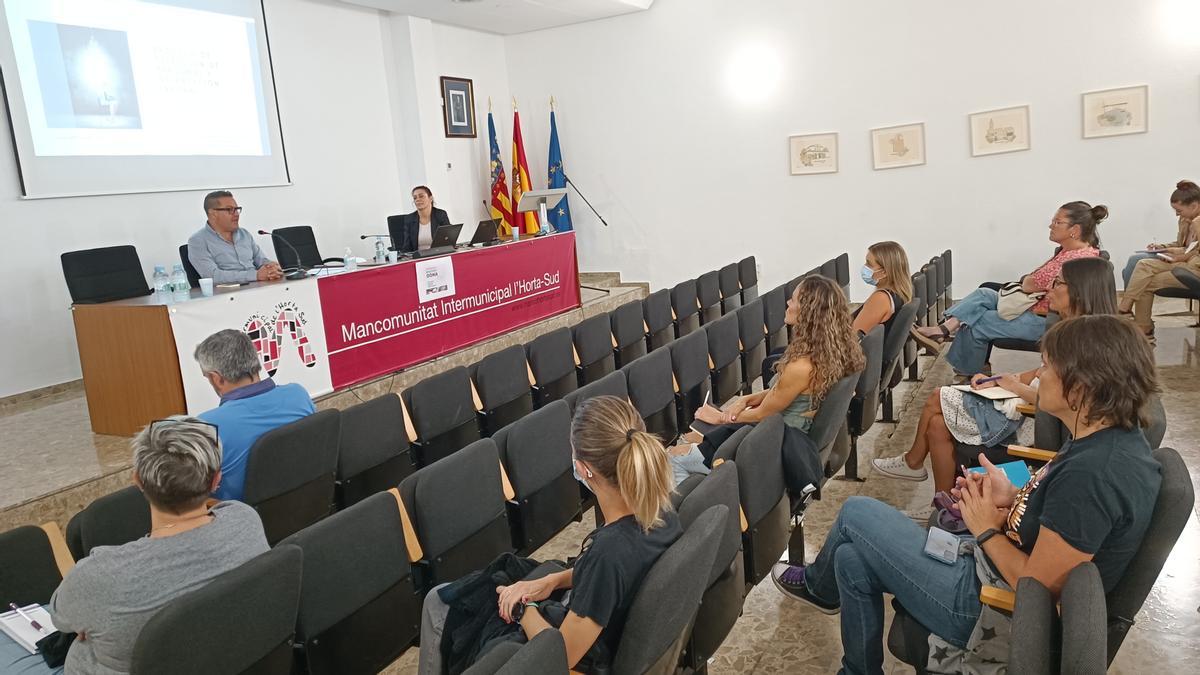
<point x="405" y="228"/>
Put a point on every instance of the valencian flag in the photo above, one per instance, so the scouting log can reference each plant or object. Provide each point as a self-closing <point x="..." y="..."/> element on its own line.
<point x="501" y="206"/>
<point x="521" y="183"/>
<point x="560" y="215"/>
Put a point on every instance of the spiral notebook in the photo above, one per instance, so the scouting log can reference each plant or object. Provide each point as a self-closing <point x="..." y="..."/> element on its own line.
<point x="993" y="393"/>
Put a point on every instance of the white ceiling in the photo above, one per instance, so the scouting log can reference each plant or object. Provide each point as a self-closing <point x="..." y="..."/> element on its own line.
<point x="507" y="17"/>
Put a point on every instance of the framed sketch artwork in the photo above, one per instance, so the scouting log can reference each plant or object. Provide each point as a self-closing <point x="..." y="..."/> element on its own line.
<point x="1116" y="112"/>
<point x="997" y="131"/>
<point x="895" y="147"/>
<point x="458" y="107"/>
<point x="813" y="153"/>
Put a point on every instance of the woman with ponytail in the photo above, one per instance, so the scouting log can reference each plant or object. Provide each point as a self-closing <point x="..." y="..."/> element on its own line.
<point x="1185" y="200"/>
<point x="1155" y="272"/>
<point x="626" y="468"/>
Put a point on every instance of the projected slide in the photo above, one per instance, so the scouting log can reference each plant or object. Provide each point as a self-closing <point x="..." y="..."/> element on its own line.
<point x="138" y="78"/>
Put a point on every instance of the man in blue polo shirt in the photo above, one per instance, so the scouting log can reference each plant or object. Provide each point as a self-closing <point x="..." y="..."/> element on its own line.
<point x="250" y="406"/>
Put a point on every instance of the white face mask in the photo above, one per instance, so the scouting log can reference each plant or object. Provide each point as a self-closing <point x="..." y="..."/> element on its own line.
<point x="581" y="479"/>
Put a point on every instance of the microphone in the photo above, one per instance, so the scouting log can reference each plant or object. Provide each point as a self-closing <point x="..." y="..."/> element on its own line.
<point x="300" y="272"/>
<point x="371" y="236"/>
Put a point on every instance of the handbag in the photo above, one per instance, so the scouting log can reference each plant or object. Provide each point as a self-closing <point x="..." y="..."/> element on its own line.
<point x="1014" y="302"/>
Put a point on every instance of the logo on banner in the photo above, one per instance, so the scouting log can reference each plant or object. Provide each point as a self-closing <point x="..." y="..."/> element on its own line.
<point x="267" y="332"/>
<point x="435" y="278"/>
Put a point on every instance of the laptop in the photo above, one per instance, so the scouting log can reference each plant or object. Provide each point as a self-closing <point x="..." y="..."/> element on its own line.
<point x="485" y="232"/>
<point x="446" y="235"/>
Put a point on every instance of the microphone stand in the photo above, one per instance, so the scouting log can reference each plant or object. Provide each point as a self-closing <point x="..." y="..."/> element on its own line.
<point x="589" y="205"/>
<point x="301" y="271"/>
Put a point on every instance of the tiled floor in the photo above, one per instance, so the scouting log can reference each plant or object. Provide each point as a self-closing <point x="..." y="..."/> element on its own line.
<point x="775" y="635"/>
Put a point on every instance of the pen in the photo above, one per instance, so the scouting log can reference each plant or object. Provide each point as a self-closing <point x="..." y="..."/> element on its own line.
<point x="36" y="626"/>
<point x="988" y="379"/>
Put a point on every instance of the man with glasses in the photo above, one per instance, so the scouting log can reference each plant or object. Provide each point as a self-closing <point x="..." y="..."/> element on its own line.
<point x="224" y="252"/>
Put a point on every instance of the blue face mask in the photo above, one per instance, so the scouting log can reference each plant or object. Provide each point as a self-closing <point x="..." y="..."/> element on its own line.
<point x="868" y="275"/>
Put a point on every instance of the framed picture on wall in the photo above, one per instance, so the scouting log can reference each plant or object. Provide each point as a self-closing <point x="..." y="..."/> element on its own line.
<point x="458" y="107"/>
<point x="1116" y="112"/>
<point x="900" y="146"/>
<point x="813" y="153"/>
<point x="997" y="131"/>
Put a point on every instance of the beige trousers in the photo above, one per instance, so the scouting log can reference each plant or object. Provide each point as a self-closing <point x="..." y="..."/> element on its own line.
<point x="1149" y="276"/>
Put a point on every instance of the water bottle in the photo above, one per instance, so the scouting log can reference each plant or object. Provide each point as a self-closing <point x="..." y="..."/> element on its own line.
<point x="380" y="250"/>
<point x="161" y="294"/>
<point x="179" y="284"/>
<point x="350" y="263"/>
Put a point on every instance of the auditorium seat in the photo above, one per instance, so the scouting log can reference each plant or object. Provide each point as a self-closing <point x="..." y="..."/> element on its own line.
<point x="731" y="290"/>
<point x="660" y="327"/>
<point x="894" y="341"/>
<point x="358" y="608"/>
<point x="841" y="272"/>
<point x="242" y="621"/>
<point x="457" y="530"/>
<point x="103" y="274"/>
<point x="114" y="519"/>
<point x="373" y="453"/>
<point x="594" y="354"/>
<point x="290" y="473"/>
<point x="947" y="276"/>
<point x="708" y="295"/>
<point x="1190" y="291"/>
<point x="502" y="382"/>
<point x="689" y="363"/>
<point x="790" y="292"/>
<point x="612" y="384"/>
<point x="443" y="412"/>
<point x="829" y="434"/>
<point x="29" y="572"/>
<point x="752" y="343"/>
<point x="668" y="598"/>
<point x="748" y="279"/>
<point x="545" y="654"/>
<point x="685" y="308"/>
<point x="911" y="349"/>
<point x="649" y="380"/>
<point x="774" y="303"/>
<point x="721" y="604"/>
<point x="939" y="287"/>
<point x="864" y="404"/>
<point x="828" y="270"/>
<point x="932" y="314"/>
<point x="551" y="359"/>
<point x="628" y="328"/>
<point x="188" y="268"/>
<point x="301" y="237"/>
<point x="762" y="492"/>
<point x="536" y="452"/>
<point x="724" y="358"/>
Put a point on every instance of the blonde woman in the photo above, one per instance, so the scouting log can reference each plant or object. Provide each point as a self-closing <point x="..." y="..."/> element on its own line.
<point x="626" y="468"/>
<point x="886" y="268"/>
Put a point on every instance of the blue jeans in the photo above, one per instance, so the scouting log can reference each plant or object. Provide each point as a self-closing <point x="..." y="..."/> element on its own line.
<point x="981" y="325"/>
<point x="874" y="549"/>
<point x="14" y="660"/>
<point x="1127" y="273"/>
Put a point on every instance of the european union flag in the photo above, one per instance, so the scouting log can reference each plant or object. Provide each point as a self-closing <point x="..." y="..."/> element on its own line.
<point x="560" y="215"/>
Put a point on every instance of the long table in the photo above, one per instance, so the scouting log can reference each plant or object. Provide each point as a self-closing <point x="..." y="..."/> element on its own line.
<point x="328" y="332"/>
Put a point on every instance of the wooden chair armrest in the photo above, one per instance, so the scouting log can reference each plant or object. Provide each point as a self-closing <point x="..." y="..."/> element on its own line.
<point x="409" y="429"/>
<point x="410" y="533"/>
<point x="58" y="544"/>
<point x="575" y="352"/>
<point x="743" y="523"/>
<point x="529" y="371"/>
<point x="1027" y="409"/>
<point x="998" y="598"/>
<point x="509" y="493"/>
<point x="1031" y="453"/>
<point x="475" y="397"/>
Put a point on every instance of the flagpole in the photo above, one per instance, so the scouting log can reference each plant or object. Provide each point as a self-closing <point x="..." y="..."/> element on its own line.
<point x="585" y="199"/>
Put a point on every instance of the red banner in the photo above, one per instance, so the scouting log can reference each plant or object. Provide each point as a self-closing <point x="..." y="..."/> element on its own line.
<point x="383" y="319"/>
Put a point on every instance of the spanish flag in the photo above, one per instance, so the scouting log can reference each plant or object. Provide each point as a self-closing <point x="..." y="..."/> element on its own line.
<point x="521" y="184"/>
<point x="501" y="207"/>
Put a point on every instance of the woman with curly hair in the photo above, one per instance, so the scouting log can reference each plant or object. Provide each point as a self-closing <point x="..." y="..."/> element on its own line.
<point x="824" y="349"/>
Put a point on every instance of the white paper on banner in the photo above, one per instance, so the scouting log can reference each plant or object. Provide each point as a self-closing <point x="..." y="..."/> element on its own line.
<point x="283" y="320"/>
<point x="435" y="278"/>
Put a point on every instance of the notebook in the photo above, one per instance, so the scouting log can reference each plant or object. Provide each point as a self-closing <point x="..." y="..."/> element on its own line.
<point x="1017" y="472"/>
<point x="993" y="393"/>
<point x="19" y="629"/>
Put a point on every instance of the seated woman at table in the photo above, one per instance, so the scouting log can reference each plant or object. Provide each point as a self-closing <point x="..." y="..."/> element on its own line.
<point x="974" y="322"/>
<point x="1085" y="288"/>
<point x="1093" y="502"/>
<point x="413" y="231"/>
<point x="110" y="595"/>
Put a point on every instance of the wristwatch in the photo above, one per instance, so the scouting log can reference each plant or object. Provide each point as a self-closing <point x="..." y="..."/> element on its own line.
<point x="985" y="535"/>
<point x="519" y="610"/>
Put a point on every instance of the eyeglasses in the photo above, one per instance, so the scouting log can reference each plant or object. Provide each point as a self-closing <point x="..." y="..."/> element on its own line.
<point x="228" y="209"/>
<point x="215" y="435"/>
<point x="1058" y="281"/>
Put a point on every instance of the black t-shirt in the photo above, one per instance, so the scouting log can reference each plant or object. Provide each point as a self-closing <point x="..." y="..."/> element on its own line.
<point x="1098" y="495"/>
<point x="607" y="574"/>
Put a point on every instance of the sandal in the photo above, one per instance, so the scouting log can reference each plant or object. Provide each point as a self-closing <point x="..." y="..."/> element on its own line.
<point x="931" y="343"/>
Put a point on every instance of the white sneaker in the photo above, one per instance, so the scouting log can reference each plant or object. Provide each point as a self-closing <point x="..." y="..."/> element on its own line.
<point x="896" y="467"/>
<point x="921" y="515"/>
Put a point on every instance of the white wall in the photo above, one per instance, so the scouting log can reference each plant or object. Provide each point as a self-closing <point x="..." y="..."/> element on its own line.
<point x="686" y="156"/>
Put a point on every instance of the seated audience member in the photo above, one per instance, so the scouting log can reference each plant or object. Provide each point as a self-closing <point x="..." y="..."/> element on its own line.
<point x="886" y="268"/>
<point x="112" y="593"/>
<point x="1154" y="273"/>
<point x="974" y="322"/>
<point x="823" y="350"/>
<point x="1092" y="502"/>
<point x="223" y="251"/>
<point x="626" y="468"/>
<point x="1186" y="202"/>
<point x="250" y="406"/>
<point x="415" y="230"/>
<point x="1085" y="288"/>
